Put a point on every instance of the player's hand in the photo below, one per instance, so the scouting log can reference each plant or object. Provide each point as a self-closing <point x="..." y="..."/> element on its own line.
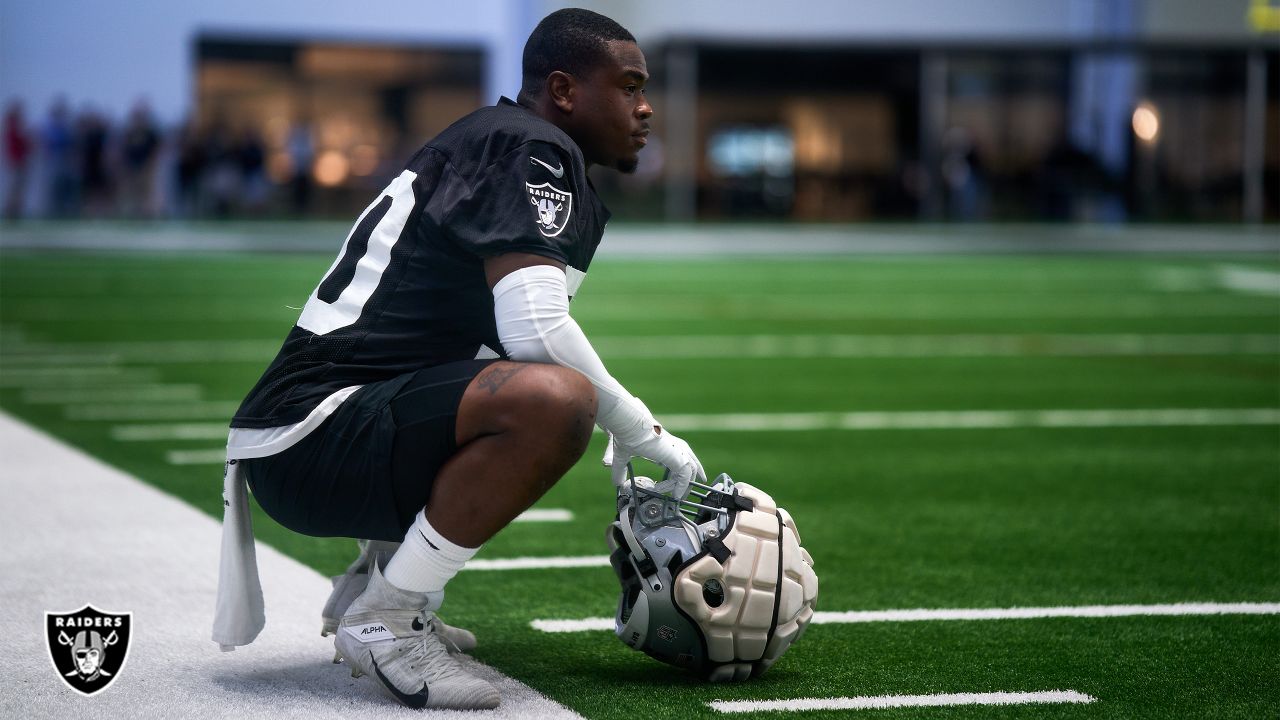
<point x="661" y="447"/>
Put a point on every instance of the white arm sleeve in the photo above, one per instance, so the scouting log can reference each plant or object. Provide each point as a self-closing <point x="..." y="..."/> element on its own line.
<point x="531" y="306"/>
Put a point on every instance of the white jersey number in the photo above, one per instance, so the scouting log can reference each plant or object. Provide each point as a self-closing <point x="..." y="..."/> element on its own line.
<point x="340" y="297"/>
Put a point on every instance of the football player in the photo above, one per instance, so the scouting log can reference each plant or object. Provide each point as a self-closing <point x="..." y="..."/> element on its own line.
<point x="435" y="385"/>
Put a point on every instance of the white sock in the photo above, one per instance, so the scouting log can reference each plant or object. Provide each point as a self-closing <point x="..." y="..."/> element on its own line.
<point x="426" y="560"/>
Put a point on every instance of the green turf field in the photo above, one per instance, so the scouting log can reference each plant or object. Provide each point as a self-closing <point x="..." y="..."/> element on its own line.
<point x="1096" y="509"/>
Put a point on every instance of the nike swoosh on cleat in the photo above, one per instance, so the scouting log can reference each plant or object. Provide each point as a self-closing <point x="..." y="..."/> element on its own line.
<point x="417" y="701"/>
<point x="557" y="171"/>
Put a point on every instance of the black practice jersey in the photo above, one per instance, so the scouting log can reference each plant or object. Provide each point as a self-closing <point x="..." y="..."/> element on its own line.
<point x="408" y="290"/>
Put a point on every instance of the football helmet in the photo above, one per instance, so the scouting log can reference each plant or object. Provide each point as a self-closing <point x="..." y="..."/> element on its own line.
<point x="716" y="582"/>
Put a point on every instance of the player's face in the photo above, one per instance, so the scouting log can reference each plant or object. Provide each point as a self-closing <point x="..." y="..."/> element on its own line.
<point x="615" y="113"/>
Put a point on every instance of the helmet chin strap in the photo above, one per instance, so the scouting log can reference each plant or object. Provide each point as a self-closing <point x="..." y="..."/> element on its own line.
<point x="640" y="559"/>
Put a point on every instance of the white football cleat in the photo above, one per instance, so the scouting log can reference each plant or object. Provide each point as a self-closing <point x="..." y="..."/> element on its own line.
<point x="388" y="634"/>
<point x="348" y="586"/>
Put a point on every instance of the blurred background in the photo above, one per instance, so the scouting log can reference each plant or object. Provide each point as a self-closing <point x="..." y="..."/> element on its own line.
<point x="827" y="110"/>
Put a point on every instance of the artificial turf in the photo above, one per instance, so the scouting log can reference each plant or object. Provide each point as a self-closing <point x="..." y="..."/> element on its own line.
<point x="945" y="518"/>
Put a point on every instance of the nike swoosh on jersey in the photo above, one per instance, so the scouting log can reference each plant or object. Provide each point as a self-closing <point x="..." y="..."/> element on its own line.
<point x="557" y="171"/>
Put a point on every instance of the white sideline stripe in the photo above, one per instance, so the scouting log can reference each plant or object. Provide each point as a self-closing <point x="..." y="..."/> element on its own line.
<point x="890" y="420"/>
<point x="1016" y="613"/>
<point x="539" y="563"/>
<point x="209" y="410"/>
<point x="865" y="702"/>
<point x="969" y="419"/>
<point x="118" y="393"/>
<point x="545" y="515"/>
<point x="927" y="346"/>
<point x="126" y="537"/>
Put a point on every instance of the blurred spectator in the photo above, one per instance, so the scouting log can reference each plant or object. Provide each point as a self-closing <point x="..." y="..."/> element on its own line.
<point x="964" y="176"/>
<point x="17" y="157"/>
<point x="140" y="144"/>
<point x="62" y="179"/>
<point x="1068" y="181"/>
<point x="95" y="178"/>
<point x="189" y="171"/>
<point x="223" y="175"/>
<point x="301" y="152"/>
<point x="253" y="177"/>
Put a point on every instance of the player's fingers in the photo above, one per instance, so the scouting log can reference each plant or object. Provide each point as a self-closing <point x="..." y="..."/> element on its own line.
<point x="610" y="449"/>
<point x="618" y="470"/>
<point x="677" y="483"/>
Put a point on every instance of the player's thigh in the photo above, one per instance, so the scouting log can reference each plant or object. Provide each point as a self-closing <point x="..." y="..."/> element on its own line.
<point x="369" y="467"/>
<point x="336" y="481"/>
<point x="425" y="413"/>
<point x="509" y="396"/>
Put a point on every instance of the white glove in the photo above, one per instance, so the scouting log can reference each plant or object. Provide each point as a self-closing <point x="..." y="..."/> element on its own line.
<point x="655" y="444"/>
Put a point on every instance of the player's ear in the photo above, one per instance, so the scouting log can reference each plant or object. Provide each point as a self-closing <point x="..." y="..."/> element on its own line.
<point x="561" y="89"/>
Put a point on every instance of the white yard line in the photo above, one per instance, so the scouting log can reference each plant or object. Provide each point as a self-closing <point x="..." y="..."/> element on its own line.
<point x="114" y="394"/>
<point x="10" y="359"/>
<point x="79" y="376"/>
<point x="545" y="515"/>
<point x="1249" y="280"/>
<point x="207" y="410"/>
<point x="170" y="431"/>
<point x="969" y="419"/>
<point x="214" y="456"/>
<point x="931" y="615"/>
<point x="539" y="563"/>
<point x="930" y="346"/>
<point x="714" y="346"/>
<point x="889" y="420"/>
<point x="122" y="545"/>
<point x="900" y="701"/>
<point x="151" y="351"/>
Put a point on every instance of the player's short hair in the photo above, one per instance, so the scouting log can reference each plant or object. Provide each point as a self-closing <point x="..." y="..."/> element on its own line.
<point x="572" y="41"/>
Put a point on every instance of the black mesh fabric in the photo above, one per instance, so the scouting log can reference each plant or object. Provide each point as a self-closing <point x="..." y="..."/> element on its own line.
<point x="476" y="190"/>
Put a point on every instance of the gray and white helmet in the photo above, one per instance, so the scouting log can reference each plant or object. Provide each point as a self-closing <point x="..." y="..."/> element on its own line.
<point x="716" y="583"/>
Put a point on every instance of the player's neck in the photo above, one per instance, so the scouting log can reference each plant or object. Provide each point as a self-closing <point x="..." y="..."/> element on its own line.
<point x="547" y="110"/>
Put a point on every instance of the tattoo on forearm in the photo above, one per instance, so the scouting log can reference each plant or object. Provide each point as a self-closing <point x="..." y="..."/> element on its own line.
<point x="496" y="376"/>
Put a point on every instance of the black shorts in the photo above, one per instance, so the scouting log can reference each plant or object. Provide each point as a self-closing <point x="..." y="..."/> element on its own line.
<point x="370" y="466"/>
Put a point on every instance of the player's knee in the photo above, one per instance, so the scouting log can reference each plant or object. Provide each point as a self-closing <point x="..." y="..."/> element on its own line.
<point x="562" y="406"/>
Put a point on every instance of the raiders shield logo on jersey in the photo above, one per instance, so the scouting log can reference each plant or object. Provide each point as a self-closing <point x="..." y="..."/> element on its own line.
<point x="551" y="206"/>
<point x="88" y="647"/>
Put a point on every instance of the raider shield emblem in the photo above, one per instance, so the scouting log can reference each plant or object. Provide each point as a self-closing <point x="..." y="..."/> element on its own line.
<point x="551" y="207"/>
<point x="88" y="647"/>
